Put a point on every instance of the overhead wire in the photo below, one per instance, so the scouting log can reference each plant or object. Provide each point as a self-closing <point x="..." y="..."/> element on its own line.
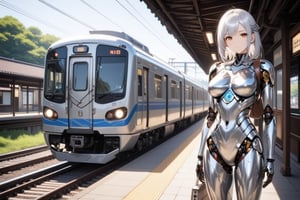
<point x="68" y="15"/>
<point x="145" y="26"/>
<point x="136" y="10"/>
<point x="28" y="15"/>
<point x="97" y="11"/>
<point x="125" y="8"/>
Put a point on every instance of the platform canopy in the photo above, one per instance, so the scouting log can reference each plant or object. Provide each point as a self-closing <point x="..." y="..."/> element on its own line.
<point x="18" y="72"/>
<point x="190" y="21"/>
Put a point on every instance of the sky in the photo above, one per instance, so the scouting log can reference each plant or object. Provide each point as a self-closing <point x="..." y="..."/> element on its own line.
<point x="65" y="18"/>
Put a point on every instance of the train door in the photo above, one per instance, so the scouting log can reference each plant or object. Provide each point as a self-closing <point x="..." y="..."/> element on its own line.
<point x="192" y="96"/>
<point x="167" y="96"/>
<point x="143" y="97"/>
<point x="80" y="93"/>
<point x="180" y="97"/>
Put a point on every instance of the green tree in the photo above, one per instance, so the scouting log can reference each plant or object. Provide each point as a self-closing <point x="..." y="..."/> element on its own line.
<point x="17" y="42"/>
<point x="9" y="24"/>
<point x="46" y="40"/>
<point x="38" y="54"/>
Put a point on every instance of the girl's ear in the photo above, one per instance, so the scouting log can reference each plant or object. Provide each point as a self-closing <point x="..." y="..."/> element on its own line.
<point x="252" y="38"/>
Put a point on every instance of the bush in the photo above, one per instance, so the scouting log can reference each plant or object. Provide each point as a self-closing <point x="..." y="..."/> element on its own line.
<point x="19" y="139"/>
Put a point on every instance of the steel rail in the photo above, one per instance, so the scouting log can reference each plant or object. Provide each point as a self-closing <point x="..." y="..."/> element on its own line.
<point x="20" y="183"/>
<point x="21" y="153"/>
<point x="25" y="164"/>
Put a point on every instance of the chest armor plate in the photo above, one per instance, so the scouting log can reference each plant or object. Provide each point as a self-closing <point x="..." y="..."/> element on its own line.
<point x="234" y="89"/>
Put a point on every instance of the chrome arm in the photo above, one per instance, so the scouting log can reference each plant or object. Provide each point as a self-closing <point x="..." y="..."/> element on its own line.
<point x="211" y="116"/>
<point x="269" y="126"/>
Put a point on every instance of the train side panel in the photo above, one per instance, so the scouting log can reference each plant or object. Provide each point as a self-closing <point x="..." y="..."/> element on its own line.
<point x="104" y="96"/>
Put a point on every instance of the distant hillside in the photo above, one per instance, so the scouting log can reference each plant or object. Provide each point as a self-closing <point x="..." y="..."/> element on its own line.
<point x="21" y="43"/>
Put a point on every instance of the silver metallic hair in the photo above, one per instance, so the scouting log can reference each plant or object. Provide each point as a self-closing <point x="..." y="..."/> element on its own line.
<point x="229" y="24"/>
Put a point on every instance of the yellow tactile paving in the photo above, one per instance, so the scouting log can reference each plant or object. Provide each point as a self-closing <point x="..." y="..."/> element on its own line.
<point x="157" y="181"/>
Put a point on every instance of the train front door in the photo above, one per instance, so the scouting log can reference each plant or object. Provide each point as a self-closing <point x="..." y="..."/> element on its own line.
<point x="80" y="93"/>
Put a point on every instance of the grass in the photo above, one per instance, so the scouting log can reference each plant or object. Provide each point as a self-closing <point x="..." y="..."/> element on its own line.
<point x="18" y="140"/>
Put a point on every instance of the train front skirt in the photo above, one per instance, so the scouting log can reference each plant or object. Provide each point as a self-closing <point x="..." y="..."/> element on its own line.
<point x="85" y="158"/>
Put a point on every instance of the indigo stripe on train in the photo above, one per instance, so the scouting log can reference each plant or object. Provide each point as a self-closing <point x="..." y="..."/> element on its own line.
<point x="86" y="122"/>
<point x="105" y="123"/>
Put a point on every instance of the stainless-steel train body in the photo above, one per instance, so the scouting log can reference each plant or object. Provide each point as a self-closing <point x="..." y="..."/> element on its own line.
<point x="105" y="94"/>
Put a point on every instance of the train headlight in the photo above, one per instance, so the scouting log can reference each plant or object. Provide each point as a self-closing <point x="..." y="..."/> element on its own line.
<point x="50" y="113"/>
<point x="119" y="113"/>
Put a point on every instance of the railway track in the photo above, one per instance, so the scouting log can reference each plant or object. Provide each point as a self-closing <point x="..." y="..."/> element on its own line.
<point x="62" y="178"/>
<point x="54" y="181"/>
<point x="57" y="180"/>
<point x="21" y="153"/>
<point x="9" y="163"/>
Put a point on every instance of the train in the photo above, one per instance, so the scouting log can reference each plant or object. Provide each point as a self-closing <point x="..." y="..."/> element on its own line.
<point x="105" y="94"/>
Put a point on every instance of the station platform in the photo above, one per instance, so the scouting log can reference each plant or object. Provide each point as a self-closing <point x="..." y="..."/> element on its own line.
<point x="9" y="116"/>
<point x="168" y="173"/>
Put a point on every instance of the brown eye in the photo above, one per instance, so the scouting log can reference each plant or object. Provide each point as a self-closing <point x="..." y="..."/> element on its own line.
<point x="228" y="38"/>
<point x="244" y="34"/>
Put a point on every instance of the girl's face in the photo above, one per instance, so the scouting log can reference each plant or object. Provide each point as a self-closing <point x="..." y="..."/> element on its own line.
<point x="237" y="42"/>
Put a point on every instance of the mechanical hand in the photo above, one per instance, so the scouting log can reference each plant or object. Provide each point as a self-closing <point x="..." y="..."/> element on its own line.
<point x="199" y="170"/>
<point x="269" y="170"/>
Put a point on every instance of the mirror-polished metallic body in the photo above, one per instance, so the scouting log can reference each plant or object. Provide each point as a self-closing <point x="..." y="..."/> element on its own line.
<point x="231" y="150"/>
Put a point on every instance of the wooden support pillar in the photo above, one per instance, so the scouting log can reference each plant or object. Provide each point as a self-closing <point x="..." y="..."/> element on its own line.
<point x="13" y="99"/>
<point x="27" y="99"/>
<point x="285" y="167"/>
<point x="40" y="97"/>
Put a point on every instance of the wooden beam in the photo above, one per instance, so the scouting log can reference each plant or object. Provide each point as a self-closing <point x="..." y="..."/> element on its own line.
<point x="284" y="25"/>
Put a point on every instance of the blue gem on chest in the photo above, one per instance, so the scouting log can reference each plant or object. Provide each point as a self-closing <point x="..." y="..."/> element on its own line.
<point x="228" y="96"/>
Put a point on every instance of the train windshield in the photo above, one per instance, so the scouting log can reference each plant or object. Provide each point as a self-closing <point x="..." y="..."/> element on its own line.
<point x="111" y="74"/>
<point x="55" y="72"/>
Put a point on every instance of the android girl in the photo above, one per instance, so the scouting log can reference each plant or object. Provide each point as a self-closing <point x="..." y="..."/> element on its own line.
<point x="231" y="150"/>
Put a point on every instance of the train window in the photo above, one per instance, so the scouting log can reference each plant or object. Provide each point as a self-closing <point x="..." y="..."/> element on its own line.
<point x="173" y="90"/>
<point x="158" y="86"/>
<point x="179" y="90"/>
<point x="54" y="82"/>
<point x="187" y="92"/>
<point x="140" y="85"/>
<point x="55" y="71"/>
<point x="111" y="73"/>
<point x="80" y="76"/>
<point x="111" y="79"/>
